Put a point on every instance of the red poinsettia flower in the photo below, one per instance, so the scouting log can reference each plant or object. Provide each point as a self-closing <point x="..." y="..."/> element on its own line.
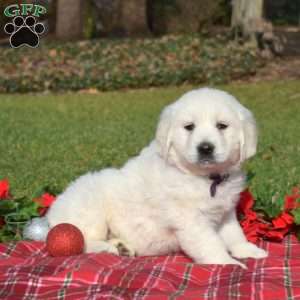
<point x="48" y="199"/>
<point x="254" y="225"/>
<point x="45" y="201"/>
<point x="4" y="189"/>
<point x="290" y="201"/>
<point x="42" y="211"/>
<point x="250" y="230"/>
<point x="246" y="202"/>
<point x="285" y="220"/>
<point x="249" y="218"/>
<point x="276" y="235"/>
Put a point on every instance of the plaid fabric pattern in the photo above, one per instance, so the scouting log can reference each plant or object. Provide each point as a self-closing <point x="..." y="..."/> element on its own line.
<point x="27" y="272"/>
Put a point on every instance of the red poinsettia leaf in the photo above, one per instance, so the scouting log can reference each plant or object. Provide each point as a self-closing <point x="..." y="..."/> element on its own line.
<point x="4" y="189"/>
<point x="279" y="223"/>
<point x="296" y="190"/>
<point x="263" y="227"/>
<point x="283" y="221"/>
<point x="246" y="202"/>
<point x="248" y="223"/>
<point x="275" y="235"/>
<point x="290" y="202"/>
<point x="45" y="200"/>
<point x="245" y="224"/>
<point x="48" y="199"/>
<point x="252" y="233"/>
<point x="42" y="211"/>
<point x="252" y="238"/>
<point x="250" y="228"/>
<point x="251" y="215"/>
<point x="287" y="218"/>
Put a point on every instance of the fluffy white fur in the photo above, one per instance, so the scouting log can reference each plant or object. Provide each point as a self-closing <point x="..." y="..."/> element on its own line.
<point x="159" y="201"/>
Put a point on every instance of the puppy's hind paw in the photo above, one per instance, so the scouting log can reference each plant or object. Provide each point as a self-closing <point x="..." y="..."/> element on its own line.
<point x="100" y="246"/>
<point x="123" y="248"/>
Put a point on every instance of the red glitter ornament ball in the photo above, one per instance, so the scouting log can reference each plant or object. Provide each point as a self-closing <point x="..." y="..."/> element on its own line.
<point x="64" y="240"/>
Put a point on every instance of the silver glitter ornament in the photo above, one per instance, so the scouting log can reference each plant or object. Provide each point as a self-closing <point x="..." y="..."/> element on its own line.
<point x="36" y="229"/>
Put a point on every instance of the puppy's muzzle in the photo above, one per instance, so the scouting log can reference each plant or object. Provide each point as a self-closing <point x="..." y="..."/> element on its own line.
<point x="205" y="152"/>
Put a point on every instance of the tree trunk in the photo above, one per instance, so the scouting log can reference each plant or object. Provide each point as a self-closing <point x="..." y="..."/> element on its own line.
<point x="122" y="17"/>
<point x="134" y="17"/>
<point x="246" y="16"/>
<point x="247" y="20"/>
<point x="69" y="20"/>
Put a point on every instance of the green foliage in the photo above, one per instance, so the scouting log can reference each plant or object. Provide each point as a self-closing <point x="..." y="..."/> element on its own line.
<point x="270" y="209"/>
<point x="16" y="213"/>
<point x="296" y="214"/>
<point x="18" y="210"/>
<point x="113" y="64"/>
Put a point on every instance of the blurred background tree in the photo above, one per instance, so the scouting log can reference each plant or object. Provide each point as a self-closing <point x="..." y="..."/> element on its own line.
<point x="246" y="15"/>
<point x="69" y="19"/>
<point x="149" y="42"/>
<point x="75" y="19"/>
<point x="182" y="16"/>
<point x="283" y="12"/>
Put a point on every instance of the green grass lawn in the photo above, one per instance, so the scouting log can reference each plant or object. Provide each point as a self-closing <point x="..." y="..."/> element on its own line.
<point x="51" y="139"/>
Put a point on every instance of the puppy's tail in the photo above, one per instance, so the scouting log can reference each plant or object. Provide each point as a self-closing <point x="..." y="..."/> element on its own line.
<point x="36" y="229"/>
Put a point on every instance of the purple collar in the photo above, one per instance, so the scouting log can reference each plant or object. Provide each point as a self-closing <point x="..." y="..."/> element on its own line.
<point x="216" y="180"/>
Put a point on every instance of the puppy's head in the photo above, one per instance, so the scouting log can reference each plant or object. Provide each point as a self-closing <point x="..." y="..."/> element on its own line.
<point x="206" y="131"/>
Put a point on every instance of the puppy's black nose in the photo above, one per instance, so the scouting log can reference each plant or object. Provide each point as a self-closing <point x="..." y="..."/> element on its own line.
<point x="206" y="149"/>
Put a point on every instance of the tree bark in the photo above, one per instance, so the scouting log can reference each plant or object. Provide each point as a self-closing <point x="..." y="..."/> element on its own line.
<point x="122" y="18"/>
<point x="246" y="16"/>
<point x="134" y="17"/>
<point x="69" y="22"/>
<point x="248" y="21"/>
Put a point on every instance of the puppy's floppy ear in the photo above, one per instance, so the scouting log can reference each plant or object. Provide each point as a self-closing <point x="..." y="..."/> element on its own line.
<point x="248" y="137"/>
<point x="164" y="131"/>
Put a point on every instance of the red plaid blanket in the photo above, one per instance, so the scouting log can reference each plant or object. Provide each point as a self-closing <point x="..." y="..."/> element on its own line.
<point x="27" y="272"/>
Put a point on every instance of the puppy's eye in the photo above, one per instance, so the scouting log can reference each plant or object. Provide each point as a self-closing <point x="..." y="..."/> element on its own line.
<point x="221" y="125"/>
<point x="189" y="127"/>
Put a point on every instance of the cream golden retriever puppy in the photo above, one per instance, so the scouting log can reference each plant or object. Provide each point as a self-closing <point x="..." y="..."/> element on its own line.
<point x="179" y="193"/>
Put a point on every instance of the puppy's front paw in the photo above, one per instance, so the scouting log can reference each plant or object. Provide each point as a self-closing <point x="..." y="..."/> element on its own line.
<point x="225" y="261"/>
<point x="246" y="250"/>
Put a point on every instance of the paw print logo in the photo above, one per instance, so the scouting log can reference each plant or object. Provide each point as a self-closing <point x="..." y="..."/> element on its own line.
<point x="24" y="31"/>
